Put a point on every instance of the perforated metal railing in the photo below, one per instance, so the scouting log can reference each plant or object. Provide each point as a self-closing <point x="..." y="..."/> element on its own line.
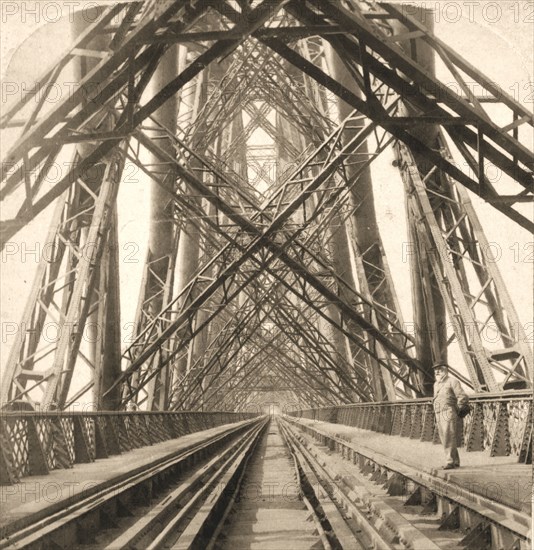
<point x="499" y="424"/>
<point x="34" y="443"/>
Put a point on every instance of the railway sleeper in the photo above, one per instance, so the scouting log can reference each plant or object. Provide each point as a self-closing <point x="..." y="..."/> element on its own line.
<point x="112" y="507"/>
<point x="472" y="526"/>
<point x="371" y="534"/>
<point x="319" y="495"/>
<point x="170" y="516"/>
<point x="385" y="527"/>
<point x="204" y="526"/>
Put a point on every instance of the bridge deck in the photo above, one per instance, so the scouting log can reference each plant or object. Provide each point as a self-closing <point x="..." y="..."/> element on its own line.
<point x="36" y="497"/>
<point x="268" y="509"/>
<point x="500" y="479"/>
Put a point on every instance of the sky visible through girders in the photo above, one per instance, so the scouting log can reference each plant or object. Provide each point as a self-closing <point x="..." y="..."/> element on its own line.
<point x="498" y="41"/>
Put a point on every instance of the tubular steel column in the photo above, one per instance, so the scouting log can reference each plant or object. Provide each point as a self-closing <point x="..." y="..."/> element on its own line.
<point x="342" y="353"/>
<point x="164" y="233"/>
<point x="430" y="331"/>
<point x="428" y="304"/>
<point x="363" y="220"/>
<point x="209" y="134"/>
<point x="189" y="247"/>
<point x="75" y="287"/>
<point x="202" y="340"/>
<point x="105" y="347"/>
<point x="335" y="239"/>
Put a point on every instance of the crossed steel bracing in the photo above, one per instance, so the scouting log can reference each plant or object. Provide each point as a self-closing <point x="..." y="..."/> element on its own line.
<point x="262" y="284"/>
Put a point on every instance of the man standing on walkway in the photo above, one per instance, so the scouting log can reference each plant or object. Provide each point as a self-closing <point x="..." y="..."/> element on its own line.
<point x="450" y="403"/>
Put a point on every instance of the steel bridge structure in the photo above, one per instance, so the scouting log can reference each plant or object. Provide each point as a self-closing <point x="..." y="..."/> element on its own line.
<point x="256" y="125"/>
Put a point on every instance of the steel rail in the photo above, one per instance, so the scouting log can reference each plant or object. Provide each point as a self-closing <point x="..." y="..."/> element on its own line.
<point x="175" y="510"/>
<point x="380" y="536"/>
<point x="206" y="529"/>
<point x="194" y="534"/>
<point x="45" y="524"/>
<point x="339" y="532"/>
<point x="488" y="523"/>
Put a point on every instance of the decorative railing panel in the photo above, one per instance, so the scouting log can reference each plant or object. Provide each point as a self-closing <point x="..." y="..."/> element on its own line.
<point x="499" y="424"/>
<point x="34" y="443"/>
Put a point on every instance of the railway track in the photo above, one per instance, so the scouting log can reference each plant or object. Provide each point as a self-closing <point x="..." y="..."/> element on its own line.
<point x="264" y="484"/>
<point x="348" y="508"/>
<point x="340" y="493"/>
<point x="128" y="511"/>
<point x="395" y="507"/>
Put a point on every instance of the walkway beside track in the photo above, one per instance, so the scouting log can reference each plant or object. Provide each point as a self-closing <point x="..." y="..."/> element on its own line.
<point x="499" y="479"/>
<point x="38" y="496"/>
<point x="268" y="512"/>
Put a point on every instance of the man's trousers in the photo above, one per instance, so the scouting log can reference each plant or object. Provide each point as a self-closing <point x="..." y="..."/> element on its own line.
<point x="448" y="425"/>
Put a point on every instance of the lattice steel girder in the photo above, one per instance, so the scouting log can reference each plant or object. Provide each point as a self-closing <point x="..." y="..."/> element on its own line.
<point x="365" y="282"/>
<point x="262" y="240"/>
<point x="259" y="78"/>
<point x="351" y="379"/>
<point x="164" y="235"/>
<point x="372" y="272"/>
<point x="368" y="307"/>
<point x="120" y="76"/>
<point x="224" y="341"/>
<point x="185" y="338"/>
<point x="65" y="57"/>
<point x="248" y="226"/>
<point x="165" y="157"/>
<point x="366" y="34"/>
<point x="79" y="297"/>
<point x="206" y="57"/>
<point x="347" y="380"/>
<point x="286" y="375"/>
<point x="155" y="295"/>
<point x="268" y="384"/>
<point x="124" y="44"/>
<point x="34" y="136"/>
<point x="429" y="85"/>
<point x="342" y="284"/>
<point x="283" y="310"/>
<point x="449" y="227"/>
<point x="383" y="47"/>
<point x="286" y="307"/>
<point x="182" y="324"/>
<point x="350" y="328"/>
<point x="236" y="333"/>
<point x="322" y="269"/>
<point x="238" y="330"/>
<point x="311" y="336"/>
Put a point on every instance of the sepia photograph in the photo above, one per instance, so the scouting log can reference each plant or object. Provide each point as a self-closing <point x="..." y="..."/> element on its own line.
<point x="266" y="276"/>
